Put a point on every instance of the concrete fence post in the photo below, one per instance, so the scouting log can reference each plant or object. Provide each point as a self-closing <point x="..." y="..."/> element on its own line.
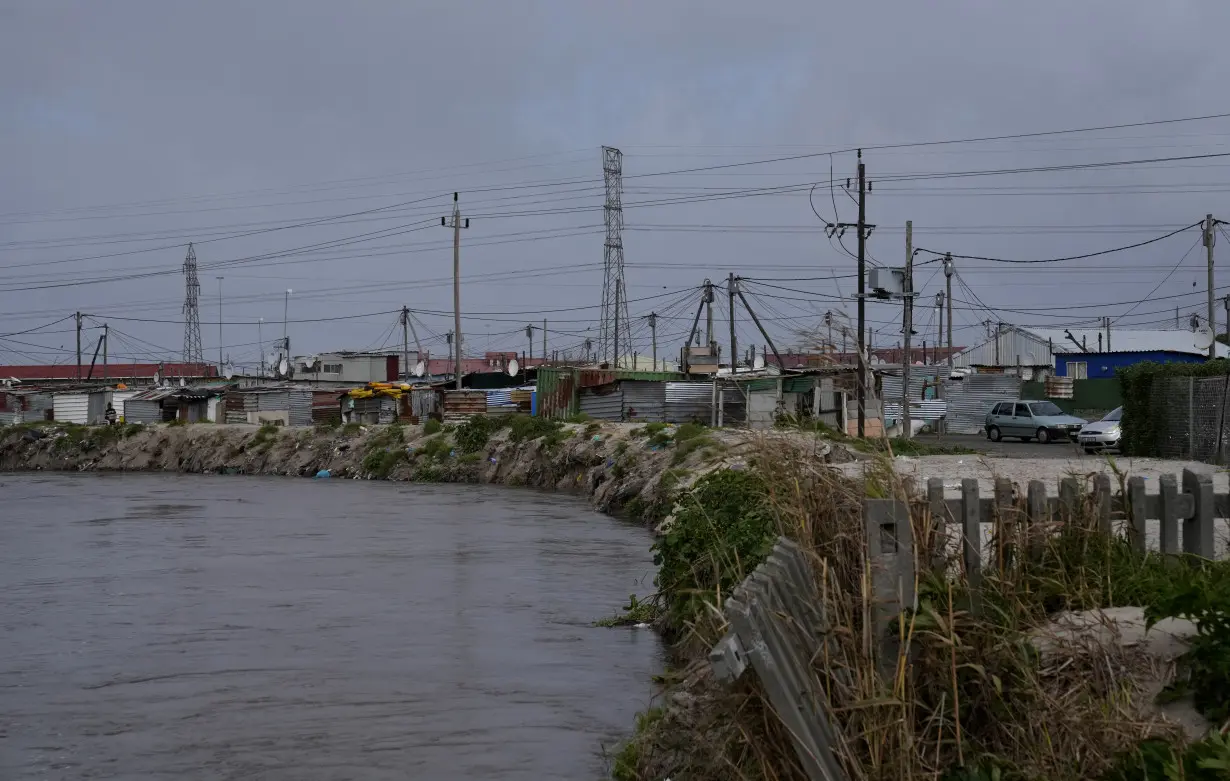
<point x="1138" y="512"/>
<point x="1102" y="494"/>
<point x="1198" y="528"/>
<point x="1169" y="513"/>
<point x="1039" y="511"/>
<point x="890" y="557"/>
<point x="971" y="538"/>
<point x="939" y="523"/>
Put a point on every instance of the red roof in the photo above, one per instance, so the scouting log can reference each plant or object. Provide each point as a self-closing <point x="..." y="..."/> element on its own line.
<point x="115" y="371"/>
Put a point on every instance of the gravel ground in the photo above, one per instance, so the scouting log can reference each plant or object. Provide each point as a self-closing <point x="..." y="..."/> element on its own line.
<point x="952" y="469"/>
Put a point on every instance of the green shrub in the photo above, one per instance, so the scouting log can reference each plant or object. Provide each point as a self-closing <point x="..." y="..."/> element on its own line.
<point x="1200" y="592"/>
<point x="436" y="449"/>
<point x="432" y="426"/>
<point x="473" y="434"/>
<point x="380" y="463"/>
<point x="351" y="429"/>
<point x="580" y="417"/>
<point x="722" y="530"/>
<point x="689" y="431"/>
<point x="1204" y="760"/>
<point x="522" y="428"/>
<point x="689" y="446"/>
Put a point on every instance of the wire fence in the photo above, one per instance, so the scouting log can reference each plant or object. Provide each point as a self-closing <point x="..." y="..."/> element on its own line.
<point x="1190" y="414"/>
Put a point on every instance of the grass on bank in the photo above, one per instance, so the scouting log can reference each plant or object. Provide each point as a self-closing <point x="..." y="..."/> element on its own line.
<point x="970" y="698"/>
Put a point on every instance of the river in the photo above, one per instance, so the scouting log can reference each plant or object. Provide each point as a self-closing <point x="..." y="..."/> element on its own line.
<point x="197" y="627"/>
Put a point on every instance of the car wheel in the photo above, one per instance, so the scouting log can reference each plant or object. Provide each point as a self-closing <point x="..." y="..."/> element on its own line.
<point x="1043" y="436"/>
<point x="993" y="434"/>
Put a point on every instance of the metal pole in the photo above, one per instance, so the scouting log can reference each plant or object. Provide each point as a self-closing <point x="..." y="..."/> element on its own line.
<point x="1209" y="240"/>
<point x="457" y="290"/>
<point x="862" y="290"/>
<point x="260" y="337"/>
<point x="405" y="341"/>
<point x="220" y="324"/>
<point x="734" y="355"/>
<point x="948" y="299"/>
<point x="653" y="330"/>
<point x="908" y="316"/>
<point x="544" y="340"/>
<point x="106" y="345"/>
<point x="78" y="346"/>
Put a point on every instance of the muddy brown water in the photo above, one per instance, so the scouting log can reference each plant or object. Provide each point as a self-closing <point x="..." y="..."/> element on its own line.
<point x="194" y="627"/>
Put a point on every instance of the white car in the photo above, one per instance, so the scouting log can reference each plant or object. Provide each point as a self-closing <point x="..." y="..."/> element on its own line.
<point x="1102" y="434"/>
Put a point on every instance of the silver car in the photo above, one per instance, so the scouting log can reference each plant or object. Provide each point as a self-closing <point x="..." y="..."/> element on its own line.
<point x="1026" y="420"/>
<point x="1102" y="434"/>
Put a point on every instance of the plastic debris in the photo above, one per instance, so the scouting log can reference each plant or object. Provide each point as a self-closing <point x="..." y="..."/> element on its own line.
<point x="324" y="473"/>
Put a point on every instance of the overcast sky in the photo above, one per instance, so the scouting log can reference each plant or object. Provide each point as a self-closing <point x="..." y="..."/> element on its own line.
<point x="130" y="128"/>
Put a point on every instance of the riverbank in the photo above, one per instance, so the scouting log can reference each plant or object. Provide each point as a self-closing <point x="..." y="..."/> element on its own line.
<point x="963" y="695"/>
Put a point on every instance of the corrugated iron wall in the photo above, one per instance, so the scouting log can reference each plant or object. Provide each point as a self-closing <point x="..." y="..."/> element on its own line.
<point x="970" y="399"/>
<point x="689" y="401"/>
<point x="644" y="402"/>
<point x="602" y="406"/>
<point x="461" y="404"/>
<point x="142" y="411"/>
<point x="72" y="408"/>
<point x="557" y="394"/>
<point x="300" y="404"/>
<point x="928" y="409"/>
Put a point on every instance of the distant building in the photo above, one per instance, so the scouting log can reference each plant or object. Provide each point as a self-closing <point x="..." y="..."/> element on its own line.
<point x="1036" y="353"/>
<point x="130" y="373"/>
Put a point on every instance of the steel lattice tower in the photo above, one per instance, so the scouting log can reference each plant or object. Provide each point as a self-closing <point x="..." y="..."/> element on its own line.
<point x="193" y="353"/>
<point x="615" y="331"/>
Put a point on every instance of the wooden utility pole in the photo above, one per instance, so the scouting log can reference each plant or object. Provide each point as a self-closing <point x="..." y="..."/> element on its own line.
<point x="653" y="330"/>
<point x="106" y="345"/>
<point x="1209" y="240"/>
<point x="78" y="346"/>
<point x="457" y="225"/>
<point x="734" y="355"/>
<point x="544" y="340"/>
<point x="862" y="294"/>
<point x="529" y="336"/>
<point x="908" y="317"/>
<point x="948" y="299"/>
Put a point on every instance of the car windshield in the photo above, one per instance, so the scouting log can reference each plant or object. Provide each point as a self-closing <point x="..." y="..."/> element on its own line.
<point x="1043" y="409"/>
<point x="1114" y="415"/>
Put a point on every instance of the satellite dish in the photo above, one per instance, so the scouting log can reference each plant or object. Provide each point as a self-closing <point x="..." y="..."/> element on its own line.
<point x="1202" y="339"/>
<point x="157" y="378"/>
<point x="283" y="365"/>
<point x="513" y="367"/>
<point x="182" y="382"/>
<point x="229" y="373"/>
<point x="758" y="362"/>
<point x="420" y="369"/>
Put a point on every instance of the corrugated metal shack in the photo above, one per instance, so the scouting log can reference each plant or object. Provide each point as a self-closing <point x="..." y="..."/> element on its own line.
<point x="462" y="404"/>
<point x="24" y="406"/>
<point x="969" y="398"/>
<point x="642" y="396"/>
<point x="162" y="405"/>
<point x="86" y="407"/>
<point x="925" y="403"/>
<point x="289" y="406"/>
<point x="759" y="398"/>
